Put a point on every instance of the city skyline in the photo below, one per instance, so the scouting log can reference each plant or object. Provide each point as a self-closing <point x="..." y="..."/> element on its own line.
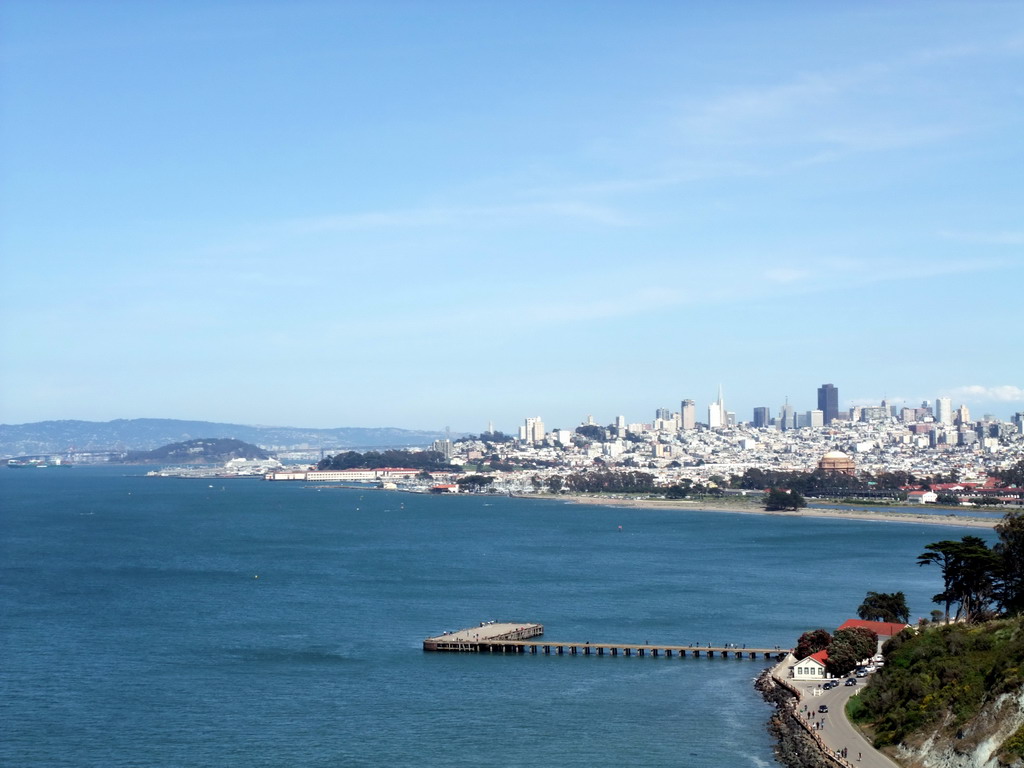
<point x="326" y="214"/>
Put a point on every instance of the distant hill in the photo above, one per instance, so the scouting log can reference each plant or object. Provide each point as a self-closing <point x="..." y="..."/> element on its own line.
<point x="45" y="437"/>
<point x="202" y="451"/>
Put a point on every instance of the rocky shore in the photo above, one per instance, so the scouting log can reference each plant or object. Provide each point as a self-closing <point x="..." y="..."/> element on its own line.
<point x="794" y="748"/>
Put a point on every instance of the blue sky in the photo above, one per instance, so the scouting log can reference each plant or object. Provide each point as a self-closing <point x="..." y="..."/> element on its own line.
<point x="423" y="214"/>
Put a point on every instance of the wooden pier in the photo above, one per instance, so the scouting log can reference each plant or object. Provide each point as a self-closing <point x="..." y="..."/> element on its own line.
<point x="473" y="639"/>
<point x="492" y="637"/>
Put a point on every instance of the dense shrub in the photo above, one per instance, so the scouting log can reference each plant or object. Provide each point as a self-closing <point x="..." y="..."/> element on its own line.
<point x="952" y="668"/>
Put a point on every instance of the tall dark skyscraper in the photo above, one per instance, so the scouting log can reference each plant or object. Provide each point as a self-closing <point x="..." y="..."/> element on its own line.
<point x="762" y="416"/>
<point x="828" y="402"/>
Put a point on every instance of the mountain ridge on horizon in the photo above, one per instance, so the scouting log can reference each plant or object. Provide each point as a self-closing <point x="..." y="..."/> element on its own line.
<point x="61" y="435"/>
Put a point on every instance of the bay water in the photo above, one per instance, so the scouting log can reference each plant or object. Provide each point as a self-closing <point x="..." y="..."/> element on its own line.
<point x="170" y="622"/>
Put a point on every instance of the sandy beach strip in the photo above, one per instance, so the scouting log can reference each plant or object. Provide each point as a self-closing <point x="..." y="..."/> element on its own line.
<point x="886" y="514"/>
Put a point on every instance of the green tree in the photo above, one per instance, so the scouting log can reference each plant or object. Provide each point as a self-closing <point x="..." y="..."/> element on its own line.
<point x="474" y="482"/>
<point x="1012" y="476"/>
<point x="812" y="642"/>
<point x="884" y="606"/>
<point x="591" y="432"/>
<point x="942" y="554"/>
<point x="969" y="570"/>
<point x="1009" y="551"/>
<point x="779" y="499"/>
<point x="975" y="585"/>
<point x="679" y="491"/>
<point x="849" y="647"/>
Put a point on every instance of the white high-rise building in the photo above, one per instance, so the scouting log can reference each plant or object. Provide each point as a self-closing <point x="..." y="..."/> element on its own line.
<point x="944" y="410"/>
<point x="715" y="416"/>
<point x="718" y="417"/>
<point x="533" y="430"/>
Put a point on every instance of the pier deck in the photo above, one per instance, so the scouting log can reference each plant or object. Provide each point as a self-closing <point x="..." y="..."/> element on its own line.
<point x="520" y="638"/>
<point x="471" y="640"/>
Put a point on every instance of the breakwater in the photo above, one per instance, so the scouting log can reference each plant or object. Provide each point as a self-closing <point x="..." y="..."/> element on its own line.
<point x="794" y="746"/>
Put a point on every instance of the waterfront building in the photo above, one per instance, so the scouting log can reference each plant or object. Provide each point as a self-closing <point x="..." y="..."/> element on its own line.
<point x="828" y="402"/>
<point x="810" y="668"/>
<point x="884" y="630"/>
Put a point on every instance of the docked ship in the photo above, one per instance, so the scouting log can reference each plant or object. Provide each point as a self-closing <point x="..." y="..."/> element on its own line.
<point x="37" y="462"/>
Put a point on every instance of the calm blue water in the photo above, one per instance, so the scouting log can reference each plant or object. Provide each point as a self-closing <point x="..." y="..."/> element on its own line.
<point x="134" y="631"/>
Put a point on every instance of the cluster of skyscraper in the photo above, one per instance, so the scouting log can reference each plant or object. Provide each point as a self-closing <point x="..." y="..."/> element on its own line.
<point x="719" y="417"/>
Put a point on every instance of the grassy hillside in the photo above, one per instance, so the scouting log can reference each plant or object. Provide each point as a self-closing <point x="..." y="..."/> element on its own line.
<point x="202" y="451"/>
<point x="941" y="678"/>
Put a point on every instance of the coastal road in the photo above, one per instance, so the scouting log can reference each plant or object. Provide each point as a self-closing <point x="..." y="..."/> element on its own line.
<point x="837" y="732"/>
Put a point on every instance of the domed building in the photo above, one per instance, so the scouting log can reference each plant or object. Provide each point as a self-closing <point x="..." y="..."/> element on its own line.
<point x="838" y="462"/>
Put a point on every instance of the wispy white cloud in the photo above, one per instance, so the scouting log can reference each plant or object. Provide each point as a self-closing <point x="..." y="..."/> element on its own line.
<point x="467" y="215"/>
<point x="1002" y="393"/>
<point x="787" y="276"/>
<point x="985" y="238"/>
<point x="731" y="118"/>
<point x="825" y="116"/>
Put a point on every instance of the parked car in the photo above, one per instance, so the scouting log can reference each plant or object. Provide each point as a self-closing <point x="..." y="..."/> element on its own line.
<point x="829" y="685"/>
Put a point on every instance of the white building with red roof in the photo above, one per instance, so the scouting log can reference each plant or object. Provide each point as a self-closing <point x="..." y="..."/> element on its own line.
<point x="884" y="629"/>
<point x="810" y="668"/>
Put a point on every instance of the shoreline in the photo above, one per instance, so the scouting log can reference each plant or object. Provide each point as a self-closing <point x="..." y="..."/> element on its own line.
<point x="838" y="512"/>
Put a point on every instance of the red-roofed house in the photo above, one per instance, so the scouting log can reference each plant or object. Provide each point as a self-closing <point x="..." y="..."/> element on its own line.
<point x="811" y="668"/>
<point x="884" y="629"/>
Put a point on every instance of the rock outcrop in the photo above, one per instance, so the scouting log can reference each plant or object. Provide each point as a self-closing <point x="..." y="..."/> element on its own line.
<point x="794" y="748"/>
<point x="977" y="744"/>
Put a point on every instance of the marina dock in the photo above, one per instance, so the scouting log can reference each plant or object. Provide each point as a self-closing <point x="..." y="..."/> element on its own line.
<point x="492" y="637"/>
